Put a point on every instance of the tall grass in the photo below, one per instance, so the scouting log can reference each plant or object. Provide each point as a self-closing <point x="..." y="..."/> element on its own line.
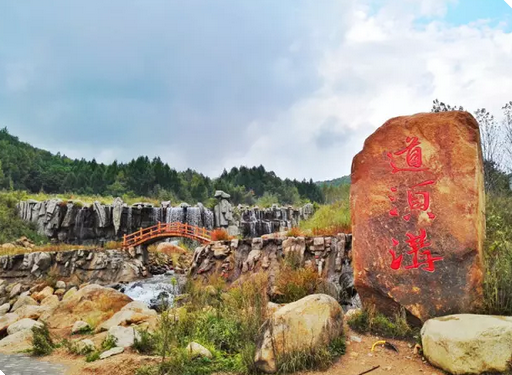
<point x="329" y="220"/>
<point x="498" y="256"/>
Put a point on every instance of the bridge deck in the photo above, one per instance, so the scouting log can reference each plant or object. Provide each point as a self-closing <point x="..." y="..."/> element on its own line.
<point x="163" y="230"/>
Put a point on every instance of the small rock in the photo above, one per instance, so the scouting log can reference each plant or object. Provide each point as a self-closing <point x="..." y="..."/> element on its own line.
<point x="16" y="289"/>
<point x="46" y="292"/>
<point x="23" y="301"/>
<point x="4" y="309"/>
<point x="60" y="292"/>
<point x="80" y="327"/>
<point x="22" y="325"/>
<point x="111" y="352"/>
<point x="196" y="350"/>
<point x="52" y="301"/>
<point x="356" y="339"/>
<point x="60" y="285"/>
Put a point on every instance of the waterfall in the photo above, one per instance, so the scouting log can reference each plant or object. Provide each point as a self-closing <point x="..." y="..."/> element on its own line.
<point x="177" y="215"/>
<point x="194" y="216"/>
<point x="129" y="220"/>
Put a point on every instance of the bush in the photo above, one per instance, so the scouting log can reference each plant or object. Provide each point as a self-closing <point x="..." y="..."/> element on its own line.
<point x="42" y="343"/>
<point x="370" y="321"/>
<point x="220" y="234"/>
<point x="294" y="282"/>
<point x="294" y="232"/>
<point x="145" y="342"/>
<point x="109" y="343"/>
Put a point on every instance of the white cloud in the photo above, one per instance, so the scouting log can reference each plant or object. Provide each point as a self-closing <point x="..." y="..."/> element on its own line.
<point x="384" y="66"/>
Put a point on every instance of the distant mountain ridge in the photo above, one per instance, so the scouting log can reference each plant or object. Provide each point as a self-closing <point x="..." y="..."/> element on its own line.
<point x="345" y="180"/>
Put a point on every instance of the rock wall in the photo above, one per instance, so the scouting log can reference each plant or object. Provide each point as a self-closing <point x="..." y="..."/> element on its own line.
<point x="74" y="222"/>
<point x="79" y="266"/>
<point x="238" y="259"/>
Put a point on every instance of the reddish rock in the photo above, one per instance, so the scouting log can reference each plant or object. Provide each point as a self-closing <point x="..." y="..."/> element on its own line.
<point x="417" y="202"/>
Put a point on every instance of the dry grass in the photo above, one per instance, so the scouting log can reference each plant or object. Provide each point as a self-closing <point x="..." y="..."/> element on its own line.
<point x="220" y="234"/>
<point x="45" y="249"/>
<point x="295" y="232"/>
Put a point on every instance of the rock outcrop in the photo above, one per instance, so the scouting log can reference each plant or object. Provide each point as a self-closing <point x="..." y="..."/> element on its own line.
<point x="74" y="222"/>
<point x="239" y="259"/>
<point x="468" y="344"/>
<point x="308" y="323"/>
<point x="106" y="267"/>
<point x="417" y="203"/>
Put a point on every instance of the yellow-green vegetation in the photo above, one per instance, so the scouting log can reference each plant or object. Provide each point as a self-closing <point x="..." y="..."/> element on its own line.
<point x="329" y="220"/>
<point x="498" y="255"/>
<point x="87" y="199"/>
<point x="227" y="321"/>
<point x="42" y="343"/>
<point x="11" y="225"/>
<point x="369" y="320"/>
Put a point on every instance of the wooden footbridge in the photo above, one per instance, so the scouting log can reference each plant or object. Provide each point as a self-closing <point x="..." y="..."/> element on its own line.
<point x="164" y="230"/>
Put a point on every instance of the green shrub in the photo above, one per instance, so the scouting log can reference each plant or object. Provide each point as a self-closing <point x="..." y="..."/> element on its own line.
<point x="498" y="256"/>
<point x="145" y="342"/>
<point x="10" y="222"/>
<point x="74" y="348"/>
<point x="42" y="343"/>
<point x="329" y="220"/>
<point x="109" y="343"/>
<point x="91" y="357"/>
<point x="370" y="321"/>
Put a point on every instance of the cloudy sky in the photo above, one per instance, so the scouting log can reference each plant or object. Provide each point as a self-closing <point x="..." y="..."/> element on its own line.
<point x="295" y="85"/>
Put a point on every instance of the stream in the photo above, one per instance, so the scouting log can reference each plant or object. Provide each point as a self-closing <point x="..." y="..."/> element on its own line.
<point x="152" y="290"/>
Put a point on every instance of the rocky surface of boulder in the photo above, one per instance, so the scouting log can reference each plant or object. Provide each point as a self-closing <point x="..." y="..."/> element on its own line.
<point x="22" y="325"/>
<point x="6" y="320"/>
<point x="417" y="204"/>
<point x="468" y="344"/>
<point x="92" y="301"/>
<point x="17" y="342"/>
<point x="310" y="322"/>
<point x="23" y="301"/>
<point x="4" y="309"/>
<point x="124" y="336"/>
<point x="133" y="313"/>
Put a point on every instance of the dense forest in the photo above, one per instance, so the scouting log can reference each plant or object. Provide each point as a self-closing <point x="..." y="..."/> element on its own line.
<point x="24" y="167"/>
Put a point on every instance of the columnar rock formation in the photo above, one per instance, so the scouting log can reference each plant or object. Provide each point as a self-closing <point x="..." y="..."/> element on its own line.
<point x="74" y="222"/>
<point x="239" y="259"/>
<point x="417" y="203"/>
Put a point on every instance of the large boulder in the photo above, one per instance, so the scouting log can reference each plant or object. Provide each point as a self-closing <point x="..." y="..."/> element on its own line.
<point x="22" y="325"/>
<point x="468" y="344"/>
<point x="417" y="203"/>
<point x="124" y="336"/>
<point x="17" y="342"/>
<point x="6" y="320"/>
<point x="91" y="302"/>
<point x="23" y="301"/>
<point x="133" y="313"/>
<point x="311" y="322"/>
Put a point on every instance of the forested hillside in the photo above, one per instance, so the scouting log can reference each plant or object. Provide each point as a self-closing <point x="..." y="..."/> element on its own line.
<point x="24" y="167"/>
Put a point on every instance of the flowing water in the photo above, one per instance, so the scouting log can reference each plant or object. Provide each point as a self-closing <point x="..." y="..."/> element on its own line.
<point x="154" y="290"/>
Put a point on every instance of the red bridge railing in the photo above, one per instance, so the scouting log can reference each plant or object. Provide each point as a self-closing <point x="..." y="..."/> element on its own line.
<point x="162" y="230"/>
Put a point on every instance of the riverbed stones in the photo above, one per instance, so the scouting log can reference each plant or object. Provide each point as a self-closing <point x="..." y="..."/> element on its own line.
<point x="4" y="309"/>
<point x="46" y="292"/>
<point x="417" y="203"/>
<point x="23" y="301"/>
<point x="468" y="344"/>
<point x="311" y="322"/>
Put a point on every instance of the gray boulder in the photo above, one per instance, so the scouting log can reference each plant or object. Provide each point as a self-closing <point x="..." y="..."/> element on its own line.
<point x="468" y="344"/>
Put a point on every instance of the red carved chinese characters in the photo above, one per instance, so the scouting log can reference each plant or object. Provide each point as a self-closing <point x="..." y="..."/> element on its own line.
<point x="410" y="159"/>
<point x="413" y="157"/>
